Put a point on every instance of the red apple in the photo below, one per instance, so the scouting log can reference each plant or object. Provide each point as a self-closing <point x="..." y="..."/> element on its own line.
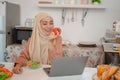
<point x="55" y="30"/>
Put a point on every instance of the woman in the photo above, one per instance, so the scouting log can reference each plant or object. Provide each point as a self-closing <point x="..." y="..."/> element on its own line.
<point x="43" y="45"/>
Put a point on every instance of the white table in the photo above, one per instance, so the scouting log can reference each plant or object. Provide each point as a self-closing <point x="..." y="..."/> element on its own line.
<point x="39" y="74"/>
<point x="108" y="47"/>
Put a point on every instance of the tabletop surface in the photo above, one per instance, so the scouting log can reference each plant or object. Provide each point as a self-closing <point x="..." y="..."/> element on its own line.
<point x="39" y="74"/>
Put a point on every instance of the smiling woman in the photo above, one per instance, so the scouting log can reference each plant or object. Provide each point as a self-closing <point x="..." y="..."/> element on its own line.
<point x="43" y="45"/>
<point x="47" y="25"/>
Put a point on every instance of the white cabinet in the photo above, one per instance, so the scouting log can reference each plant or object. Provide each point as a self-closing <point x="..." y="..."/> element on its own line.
<point x="88" y="6"/>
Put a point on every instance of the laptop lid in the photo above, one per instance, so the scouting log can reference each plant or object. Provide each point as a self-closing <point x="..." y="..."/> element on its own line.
<point x="68" y="66"/>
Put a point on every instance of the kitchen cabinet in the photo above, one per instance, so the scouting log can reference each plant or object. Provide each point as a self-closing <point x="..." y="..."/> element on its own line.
<point x="111" y="55"/>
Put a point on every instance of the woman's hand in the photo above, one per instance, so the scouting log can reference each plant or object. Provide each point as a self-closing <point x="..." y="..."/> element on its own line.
<point x="17" y="69"/>
<point x="53" y="36"/>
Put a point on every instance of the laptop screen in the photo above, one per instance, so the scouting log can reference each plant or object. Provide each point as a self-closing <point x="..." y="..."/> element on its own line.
<point x="67" y="66"/>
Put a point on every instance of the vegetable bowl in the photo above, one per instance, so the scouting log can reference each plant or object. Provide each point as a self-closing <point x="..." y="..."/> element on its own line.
<point x="33" y="64"/>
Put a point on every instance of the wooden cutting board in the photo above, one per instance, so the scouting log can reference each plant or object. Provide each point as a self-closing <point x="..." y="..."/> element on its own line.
<point x="87" y="44"/>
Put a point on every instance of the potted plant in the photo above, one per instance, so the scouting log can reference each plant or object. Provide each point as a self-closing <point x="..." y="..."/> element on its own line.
<point x="96" y="1"/>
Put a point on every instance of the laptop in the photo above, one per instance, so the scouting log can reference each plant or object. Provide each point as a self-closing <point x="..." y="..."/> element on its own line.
<point x="66" y="66"/>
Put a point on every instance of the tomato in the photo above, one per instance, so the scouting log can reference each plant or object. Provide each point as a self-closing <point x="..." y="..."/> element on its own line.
<point x="55" y="30"/>
<point x="29" y="63"/>
<point x="38" y="62"/>
<point x="9" y="73"/>
<point x="6" y="71"/>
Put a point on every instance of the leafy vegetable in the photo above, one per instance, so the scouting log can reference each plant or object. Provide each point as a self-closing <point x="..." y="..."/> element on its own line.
<point x="3" y="76"/>
<point x="99" y="1"/>
<point x="5" y="73"/>
<point x="33" y="64"/>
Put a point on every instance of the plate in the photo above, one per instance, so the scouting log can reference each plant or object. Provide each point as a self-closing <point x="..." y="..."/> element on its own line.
<point x="95" y="77"/>
<point x="87" y="44"/>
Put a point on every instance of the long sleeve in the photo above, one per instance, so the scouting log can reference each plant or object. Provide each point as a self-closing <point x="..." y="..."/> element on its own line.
<point x="58" y="48"/>
<point x="57" y="51"/>
<point x="24" y="55"/>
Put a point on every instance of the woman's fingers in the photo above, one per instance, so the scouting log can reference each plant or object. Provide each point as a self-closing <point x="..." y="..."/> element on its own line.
<point x="52" y="36"/>
<point x="20" y="70"/>
<point x="57" y="33"/>
<point x="17" y="69"/>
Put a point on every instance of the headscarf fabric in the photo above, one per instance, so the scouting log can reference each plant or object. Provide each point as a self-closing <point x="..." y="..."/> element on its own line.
<point x="38" y="48"/>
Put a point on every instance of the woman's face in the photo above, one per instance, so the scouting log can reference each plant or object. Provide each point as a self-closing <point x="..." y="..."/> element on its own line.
<point x="47" y="25"/>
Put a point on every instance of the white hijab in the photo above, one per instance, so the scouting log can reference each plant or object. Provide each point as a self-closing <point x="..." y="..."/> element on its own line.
<point x="38" y="48"/>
